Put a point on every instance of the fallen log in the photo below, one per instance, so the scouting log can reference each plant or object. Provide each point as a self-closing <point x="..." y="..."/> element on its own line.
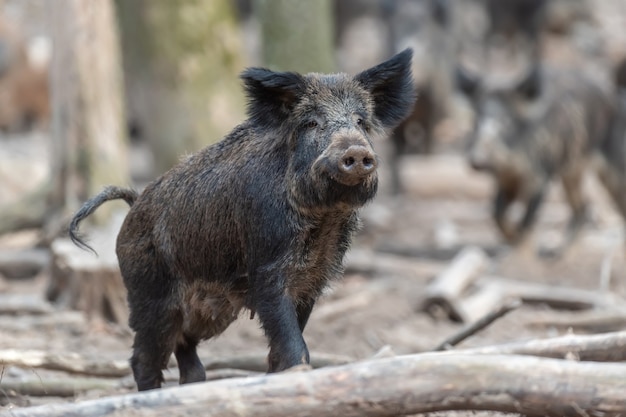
<point x="478" y="325"/>
<point x="258" y="362"/>
<point x="67" y="362"/>
<point x="385" y="387"/>
<point x="593" y="321"/>
<point x="77" y="364"/>
<point x="23" y="304"/>
<point x="488" y="293"/>
<point x="608" y="347"/>
<point x="55" y="387"/>
<point x="56" y="320"/>
<point x="447" y="288"/>
<point x="84" y="282"/>
<point x="24" y="263"/>
<point x="555" y="296"/>
<point x="172" y="376"/>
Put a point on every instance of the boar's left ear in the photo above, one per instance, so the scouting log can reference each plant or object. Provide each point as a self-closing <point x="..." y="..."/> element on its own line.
<point x="391" y="86"/>
<point x="271" y="95"/>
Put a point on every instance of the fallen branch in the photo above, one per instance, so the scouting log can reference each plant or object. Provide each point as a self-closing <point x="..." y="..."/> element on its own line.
<point x="445" y="290"/>
<point x="23" y="304"/>
<point x="258" y="362"/>
<point x="55" y="387"/>
<point x="555" y="296"/>
<point x="23" y="263"/>
<point x="76" y="364"/>
<point x="56" y="320"/>
<point x="67" y="362"/>
<point x="606" y="347"/>
<point x="597" y="321"/>
<point x="385" y="387"/>
<point x="478" y="325"/>
<point x="172" y="376"/>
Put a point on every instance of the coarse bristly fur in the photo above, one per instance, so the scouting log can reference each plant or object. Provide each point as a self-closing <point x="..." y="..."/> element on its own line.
<point x="260" y="220"/>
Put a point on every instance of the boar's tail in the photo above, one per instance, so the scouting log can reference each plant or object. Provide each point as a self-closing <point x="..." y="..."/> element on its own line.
<point x="109" y="193"/>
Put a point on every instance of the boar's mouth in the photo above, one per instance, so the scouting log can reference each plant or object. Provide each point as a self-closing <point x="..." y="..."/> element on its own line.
<point x="352" y="195"/>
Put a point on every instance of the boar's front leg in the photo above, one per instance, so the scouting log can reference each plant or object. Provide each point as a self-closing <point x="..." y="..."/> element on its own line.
<point x="501" y="204"/>
<point x="530" y="215"/>
<point x="282" y="324"/>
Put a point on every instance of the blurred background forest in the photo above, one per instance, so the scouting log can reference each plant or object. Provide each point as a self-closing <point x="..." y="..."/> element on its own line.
<point x="116" y="92"/>
<point x="121" y="91"/>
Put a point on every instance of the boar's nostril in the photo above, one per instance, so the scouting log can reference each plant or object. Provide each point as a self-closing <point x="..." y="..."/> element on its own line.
<point x="358" y="161"/>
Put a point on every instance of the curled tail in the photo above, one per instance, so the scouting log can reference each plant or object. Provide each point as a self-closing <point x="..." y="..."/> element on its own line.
<point x="109" y="193"/>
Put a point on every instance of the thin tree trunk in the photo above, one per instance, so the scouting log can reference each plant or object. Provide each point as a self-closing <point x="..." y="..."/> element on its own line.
<point x="181" y="63"/>
<point x="87" y="129"/>
<point x="297" y="35"/>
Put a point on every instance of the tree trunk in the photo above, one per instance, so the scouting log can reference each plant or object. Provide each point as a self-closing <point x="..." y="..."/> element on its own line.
<point x="181" y="64"/>
<point x="87" y="108"/>
<point x="297" y="35"/>
<point x="87" y="131"/>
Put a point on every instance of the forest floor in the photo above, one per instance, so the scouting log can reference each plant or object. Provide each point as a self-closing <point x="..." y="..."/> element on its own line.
<point x="446" y="207"/>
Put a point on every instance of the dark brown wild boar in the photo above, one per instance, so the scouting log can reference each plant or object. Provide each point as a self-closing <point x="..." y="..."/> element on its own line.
<point x="550" y="125"/>
<point x="260" y="220"/>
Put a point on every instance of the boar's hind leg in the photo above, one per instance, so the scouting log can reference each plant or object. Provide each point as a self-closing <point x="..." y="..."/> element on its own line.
<point x="279" y="317"/>
<point x="189" y="365"/>
<point x="152" y="349"/>
<point x="157" y="320"/>
<point x="572" y="184"/>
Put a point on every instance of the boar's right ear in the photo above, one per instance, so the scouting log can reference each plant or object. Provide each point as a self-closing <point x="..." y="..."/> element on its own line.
<point x="271" y="95"/>
<point x="391" y="86"/>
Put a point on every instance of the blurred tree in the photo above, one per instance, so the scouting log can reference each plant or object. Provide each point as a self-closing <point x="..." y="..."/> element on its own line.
<point x="87" y="120"/>
<point x="181" y="64"/>
<point x="297" y="34"/>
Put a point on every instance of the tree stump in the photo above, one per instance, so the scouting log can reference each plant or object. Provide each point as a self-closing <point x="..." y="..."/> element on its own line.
<point x="90" y="283"/>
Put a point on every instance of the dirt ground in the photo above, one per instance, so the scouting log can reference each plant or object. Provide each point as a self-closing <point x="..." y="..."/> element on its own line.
<point x="446" y="208"/>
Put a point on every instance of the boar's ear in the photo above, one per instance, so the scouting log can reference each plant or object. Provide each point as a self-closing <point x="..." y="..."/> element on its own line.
<point x="391" y="87"/>
<point x="530" y="86"/>
<point x="271" y="95"/>
<point x="467" y="83"/>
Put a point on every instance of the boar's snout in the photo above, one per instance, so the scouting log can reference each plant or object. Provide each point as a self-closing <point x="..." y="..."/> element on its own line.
<point x="357" y="162"/>
<point x="348" y="160"/>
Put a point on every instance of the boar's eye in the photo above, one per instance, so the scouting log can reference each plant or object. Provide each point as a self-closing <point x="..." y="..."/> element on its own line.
<point x="361" y="123"/>
<point x="311" y="124"/>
